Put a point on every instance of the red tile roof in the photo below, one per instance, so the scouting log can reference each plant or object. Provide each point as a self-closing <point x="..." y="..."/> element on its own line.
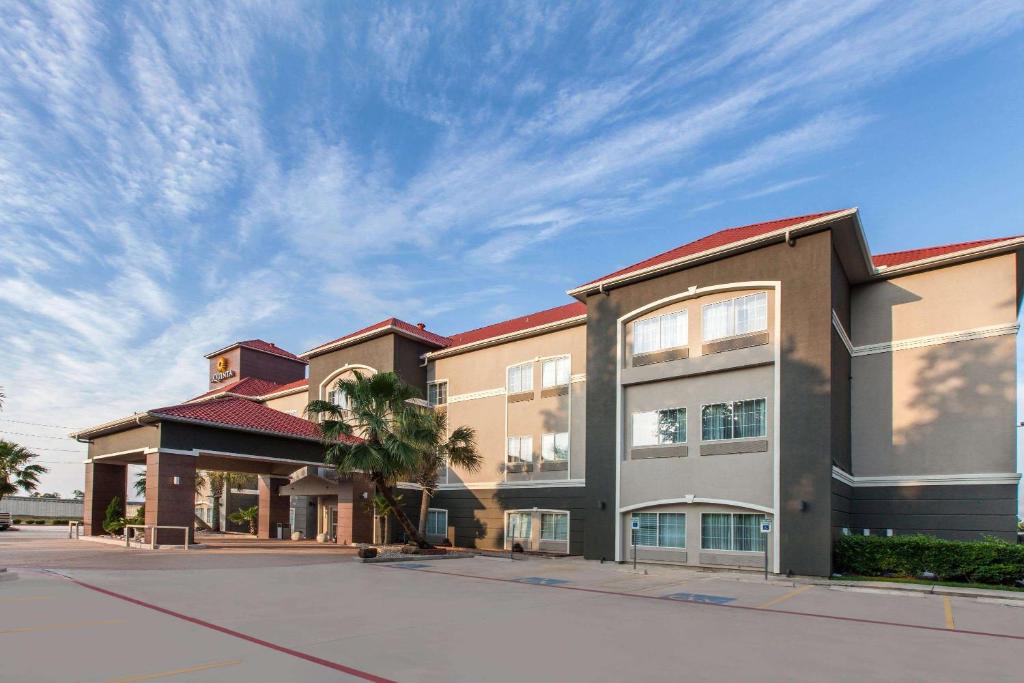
<point x="898" y="258"/>
<point x="551" y="315"/>
<point x="259" y="345"/>
<point x="298" y="384"/>
<point x="250" y="386"/>
<point x="414" y="330"/>
<point x="240" y="413"/>
<point x="716" y="240"/>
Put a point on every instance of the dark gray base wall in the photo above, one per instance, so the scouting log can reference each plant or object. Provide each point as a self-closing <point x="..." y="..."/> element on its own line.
<point x="478" y="515"/>
<point x="958" y="512"/>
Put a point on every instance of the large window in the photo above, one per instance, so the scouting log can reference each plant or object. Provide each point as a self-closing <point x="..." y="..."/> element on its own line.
<point x="520" y="449"/>
<point x="339" y="398"/>
<point x="659" y="427"/>
<point x="733" y="420"/>
<point x="660" y="332"/>
<point x="437" y="522"/>
<point x="437" y="393"/>
<point x="732" y="532"/>
<point x="660" y="529"/>
<point x="520" y="525"/>
<point x="733" y="317"/>
<point x="554" y="446"/>
<point x="555" y="372"/>
<point x="520" y="378"/>
<point x="554" y="526"/>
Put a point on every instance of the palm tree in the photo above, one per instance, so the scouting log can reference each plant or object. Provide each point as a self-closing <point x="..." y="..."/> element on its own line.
<point x="457" y="449"/>
<point x="140" y="483"/>
<point x="391" y="435"/>
<point x="16" y="472"/>
<point x="243" y="515"/>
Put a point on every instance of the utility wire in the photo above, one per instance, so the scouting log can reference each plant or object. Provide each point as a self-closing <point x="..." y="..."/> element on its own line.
<point x="35" y="424"/>
<point x="39" y="436"/>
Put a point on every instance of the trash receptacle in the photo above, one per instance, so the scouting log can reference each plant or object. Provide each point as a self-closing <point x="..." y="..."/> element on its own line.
<point x="283" y="531"/>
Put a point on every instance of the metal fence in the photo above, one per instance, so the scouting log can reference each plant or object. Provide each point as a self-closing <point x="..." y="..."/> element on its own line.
<point x="60" y="508"/>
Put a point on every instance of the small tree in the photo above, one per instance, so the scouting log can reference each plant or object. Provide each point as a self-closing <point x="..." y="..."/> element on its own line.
<point x="78" y="493"/>
<point x="457" y="449"/>
<point x="243" y="515"/>
<point x="113" y="519"/>
<point x="16" y="470"/>
<point x="220" y="482"/>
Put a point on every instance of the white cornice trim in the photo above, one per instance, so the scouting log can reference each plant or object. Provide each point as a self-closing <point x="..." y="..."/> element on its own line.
<point x="1012" y="244"/>
<point x="473" y="395"/>
<point x="936" y="339"/>
<point x="531" y="484"/>
<point x="984" y="478"/>
<point x="838" y="325"/>
<point x="732" y="246"/>
<point x="510" y="337"/>
<point x="287" y="392"/>
<point x="581" y="377"/>
<point x="687" y="500"/>
<point x="121" y="421"/>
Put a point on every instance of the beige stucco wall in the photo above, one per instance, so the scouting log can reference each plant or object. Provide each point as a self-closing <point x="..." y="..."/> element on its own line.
<point x="294" y="404"/>
<point x="485" y="370"/>
<point x="947" y="408"/>
<point x="744" y="477"/>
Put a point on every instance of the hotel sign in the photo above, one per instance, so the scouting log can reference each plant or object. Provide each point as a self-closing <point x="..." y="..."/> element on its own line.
<point x="223" y="371"/>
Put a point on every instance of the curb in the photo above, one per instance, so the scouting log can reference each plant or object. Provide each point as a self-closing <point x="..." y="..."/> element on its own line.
<point x="415" y="558"/>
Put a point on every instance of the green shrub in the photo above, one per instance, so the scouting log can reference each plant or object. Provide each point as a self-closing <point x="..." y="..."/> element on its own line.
<point x="987" y="561"/>
<point x="18" y="521"/>
<point x="62" y="522"/>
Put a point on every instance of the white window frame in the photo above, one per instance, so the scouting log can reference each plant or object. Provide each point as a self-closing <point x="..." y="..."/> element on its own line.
<point x="657" y="529"/>
<point x="562" y="513"/>
<point x="429" y="510"/>
<point x="436" y="383"/>
<point x="658" y="444"/>
<point x="508" y="521"/>
<point x="731" y="331"/>
<point x="764" y="422"/>
<point x="525" y="378"/>
<point x="557" y="361"/>
<point x="554" y="447"/>
<point x="659" y="344"/>
<point x="519" y="449"/>
<point x="732" y="535"/>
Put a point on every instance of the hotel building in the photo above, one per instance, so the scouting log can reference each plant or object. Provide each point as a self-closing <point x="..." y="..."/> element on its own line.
<point x="777" y="371"/>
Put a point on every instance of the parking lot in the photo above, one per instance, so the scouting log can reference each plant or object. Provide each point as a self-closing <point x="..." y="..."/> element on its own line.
<point x="85" y="612"/>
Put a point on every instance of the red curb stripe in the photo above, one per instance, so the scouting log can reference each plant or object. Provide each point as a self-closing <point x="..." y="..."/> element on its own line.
<point x="237" y="634"/>
<point x="740" y="607"/>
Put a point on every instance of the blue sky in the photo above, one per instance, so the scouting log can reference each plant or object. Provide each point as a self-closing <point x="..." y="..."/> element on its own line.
<point x="177" y="176"/>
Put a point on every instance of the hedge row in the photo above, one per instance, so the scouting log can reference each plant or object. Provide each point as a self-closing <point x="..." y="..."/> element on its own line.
<point x="988" y="561"/>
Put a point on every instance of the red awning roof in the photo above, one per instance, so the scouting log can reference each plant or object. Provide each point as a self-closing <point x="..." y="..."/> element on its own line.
<point x="240" y="413"/>
<point x="716" y="240"/>
<point x="898" y="258"/>
<point x="526" y="322"/>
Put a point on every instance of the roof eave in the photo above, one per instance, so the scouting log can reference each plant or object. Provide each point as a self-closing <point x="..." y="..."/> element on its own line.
<point x="220" y="425"/>
<point x="510" y="337"/>
<point x="297" y="359"/>
<point x="813" y="225"/>
<point x="342" y="343"/>
<point x="112" y="427"/>
<point x="952" y="258"/>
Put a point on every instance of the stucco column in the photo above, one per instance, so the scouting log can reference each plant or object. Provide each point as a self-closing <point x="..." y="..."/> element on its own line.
<point x="102" y="482"/>
<point x="273" y="506"/>
<point x="362" y="509"/>
<point x="171" y="495"/>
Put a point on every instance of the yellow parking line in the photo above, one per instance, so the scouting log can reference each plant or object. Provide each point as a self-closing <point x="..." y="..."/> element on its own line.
<point x="949" y="613"/>
<point x="787" y="596"/>
<point x="28" y="598"/>
<point x="58" y="627"/>
<point x="177" y="672"/>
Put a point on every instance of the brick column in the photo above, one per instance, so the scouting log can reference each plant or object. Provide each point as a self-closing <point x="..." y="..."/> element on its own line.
<point x="273" y="506"/>
<point x="169" y="503"/>
<point x="102" y="482"/>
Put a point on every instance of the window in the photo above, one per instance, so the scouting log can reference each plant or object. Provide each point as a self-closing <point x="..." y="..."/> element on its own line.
<point x="660" y="529"/>
<point x="437" y="393"/>
<point x="554" y="526"/>
<point x="339" y="398"/>
<point x="520" y="449"/>
<point x="519" y="525"/>
<point x="733" y="317"/>
<point x="555" y="446"/>
<point x="437" y="522"/>
<point x="659" y="427"/>
<point x="555" y="372"/>
<point x="660" y="332"/>
<point x="520" y="378"/>
<point x="735" y="420"/>
<point x="732" y="532"/>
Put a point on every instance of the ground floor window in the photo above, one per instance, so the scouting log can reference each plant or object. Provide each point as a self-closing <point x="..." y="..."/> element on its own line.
<point x="520" y="524"/>
<point x="554" y="526"/>
<point x="723" y="531"/>
<point x="437" y="522"/>
<point x="660" y="529"/>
